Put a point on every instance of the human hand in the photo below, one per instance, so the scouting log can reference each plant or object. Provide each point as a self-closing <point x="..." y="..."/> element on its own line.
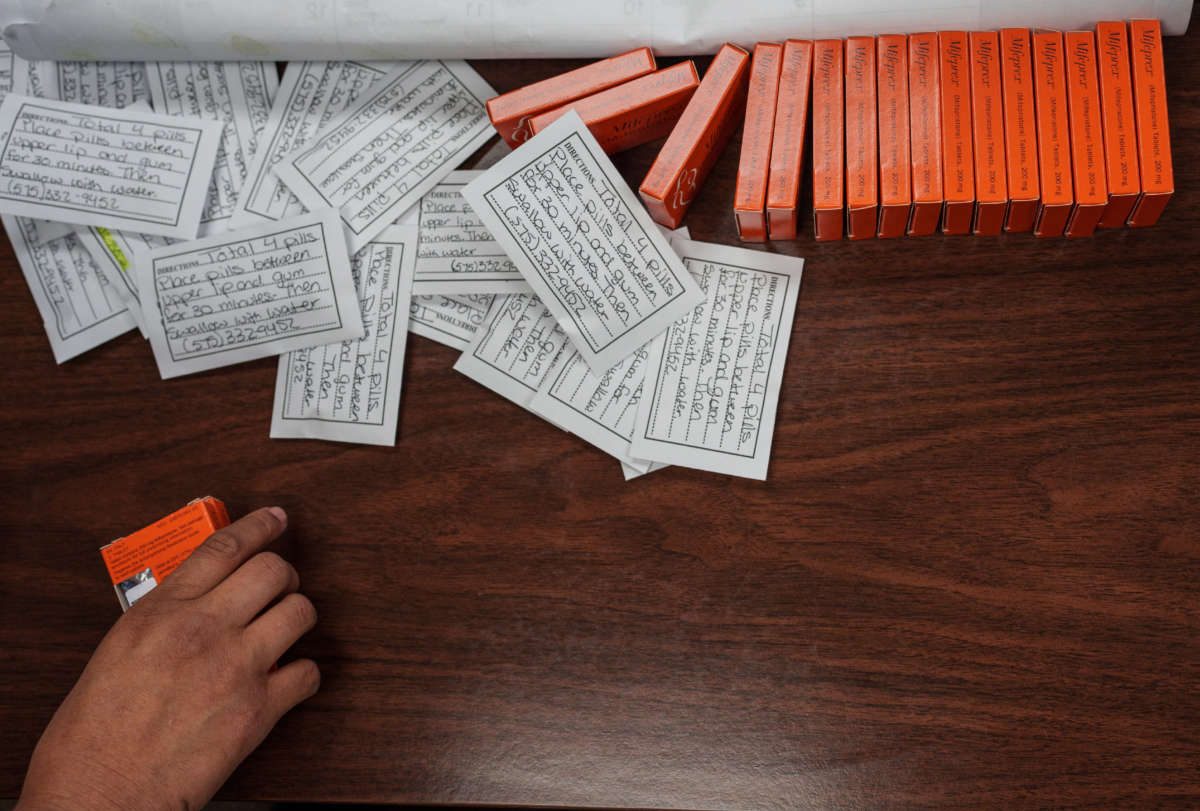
<point x="182" y="688"/>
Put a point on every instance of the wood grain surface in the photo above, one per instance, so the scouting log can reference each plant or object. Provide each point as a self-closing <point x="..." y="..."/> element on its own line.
<point x="971" y="578"/>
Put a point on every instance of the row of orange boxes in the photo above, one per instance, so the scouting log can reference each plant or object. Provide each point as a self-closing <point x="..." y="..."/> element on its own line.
<point x="973" y="132"/>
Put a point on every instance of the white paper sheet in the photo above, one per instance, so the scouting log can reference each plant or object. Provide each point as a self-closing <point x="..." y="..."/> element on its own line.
<point x="105" y="84"/>
<point x="712" y="380"/>
<point x="449" y="320"/>
<point x="249" y="294"/>
<point x="488" y="29"/>
<point x="631" y="473"/>
<point x="310" y="94"/>
<point x="79" y="305"/>
<point x="457" y="252"/>
<point x="600" y="409"/>
<point x="409" y="131"/>
<point x="514" y="348"/>
<point x="350" y="391"/>
<point x="585" y="244"/>
<point x="116" y="252"/>
<point x="124" y="169"/>
<point x="239" y="94"/>
<point x="6" y="70"/>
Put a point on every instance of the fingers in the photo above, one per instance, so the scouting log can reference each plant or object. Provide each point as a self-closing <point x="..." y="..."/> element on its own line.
<point x="244" y="594"/>
<point x="291" y="684"/>
<point x="269" y="636"/>
<point x="225" y="550"/>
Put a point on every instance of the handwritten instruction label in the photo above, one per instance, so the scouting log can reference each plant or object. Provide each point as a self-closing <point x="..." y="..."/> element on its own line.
<point x="249" y="294"/>
<point x="124" y="169"/>
<point x="239" y="94"/>
<point x="449" y="320"/>
<point x="514" y="348"/>
<point x="712" y="380"/>
<point x="79" y="305"/>
<point x="350" y="391"/>
<point x="600" y="409"/>
<point x="115" y="252"/>
<point x="457" y="253"/>
<point x="6" y="70"/>
<point x="565" y="217"/>
<point x="408" y="132"/>
<point x="104" y="84"/>
<point x="310" y="95"/>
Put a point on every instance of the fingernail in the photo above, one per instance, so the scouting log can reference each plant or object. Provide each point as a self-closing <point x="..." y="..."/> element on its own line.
<point x="278" y="513"/>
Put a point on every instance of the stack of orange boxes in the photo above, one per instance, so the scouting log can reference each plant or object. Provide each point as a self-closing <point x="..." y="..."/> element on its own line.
<point x="983" y="131"/>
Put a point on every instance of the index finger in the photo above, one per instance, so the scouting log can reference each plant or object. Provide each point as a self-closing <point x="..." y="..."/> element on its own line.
<point x="225" y="550"/>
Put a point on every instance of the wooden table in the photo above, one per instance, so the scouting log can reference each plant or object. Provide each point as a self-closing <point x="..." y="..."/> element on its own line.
<point x="971" y="577"/>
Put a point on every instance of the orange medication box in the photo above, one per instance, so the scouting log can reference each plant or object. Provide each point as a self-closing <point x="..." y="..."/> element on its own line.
<point x="1120" y="131"/>
<point x="139" y="562"/>
<point x="698" y="139"/>
<point x="1154" y="139"/>
<point x="862" y="140"/>
<point x="1020" y="130"/>
<point x="787" y="142"/>
<point x="958" y="166"/>
<point x="632" y="113"/>
<point x="510" y="113"/>
<point x="895" y="171"/>
<point x="754" y="165"/>
<point x="828" y="156"/>
<point x="925" y="133"/>
<point x="1054" y="140"/>
<point x="987" y="124"/>
<point x="1087" y="145"/>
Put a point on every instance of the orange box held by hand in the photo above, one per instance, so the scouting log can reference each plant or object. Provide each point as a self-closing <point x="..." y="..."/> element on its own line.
<point x="987" y="124"/>
<point x="1154" y="137"/>
<point x="925" y="133"/>
<point x="139" y="562"/>
<point x="510" y="113"/>
<point x="862" y="140"/>
<point x="1053" y="134"/>
<point x="1020" y="130"/>
<point x="1120" y="128"/>
<point x="699" y="137"/>
<point x="787" y="142"/>
<point x="633" y="113"/>
<point x="895" y="169"/>
<point x="828" y="105"/>
<point x="754" y="164"/>
<point x="958" y="165"/>
<point x="1087" y="144"/>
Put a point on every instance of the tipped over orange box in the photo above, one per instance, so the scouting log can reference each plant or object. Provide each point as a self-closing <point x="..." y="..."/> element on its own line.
<point x="1119" y="127"/>
<point x="1053" y="135"/>
<point x="1154" y="137"/>
<point x="828" y="145"/>
<point x="1020" y="130"/>
<point x="958" y="165"/>
<point x="895" y="170"/>
<point x="511" y="112"/>
<point x="925" y="133"/>
<point x="1087" y="144"/>
<point x="787" y="142"/>
<point x="633" y="113"/>
<point x="138" y="562"/>
<point x="987" y="125"/>
<point x="699" y="137"/>
<point x="862" y="140"/>
<point x="754" y="164"/>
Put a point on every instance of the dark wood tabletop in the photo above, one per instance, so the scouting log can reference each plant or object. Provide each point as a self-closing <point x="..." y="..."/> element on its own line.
<point x="971" y="578"/>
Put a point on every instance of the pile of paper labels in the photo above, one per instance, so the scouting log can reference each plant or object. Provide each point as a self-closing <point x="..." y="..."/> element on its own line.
<point x="231" y="215"/>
